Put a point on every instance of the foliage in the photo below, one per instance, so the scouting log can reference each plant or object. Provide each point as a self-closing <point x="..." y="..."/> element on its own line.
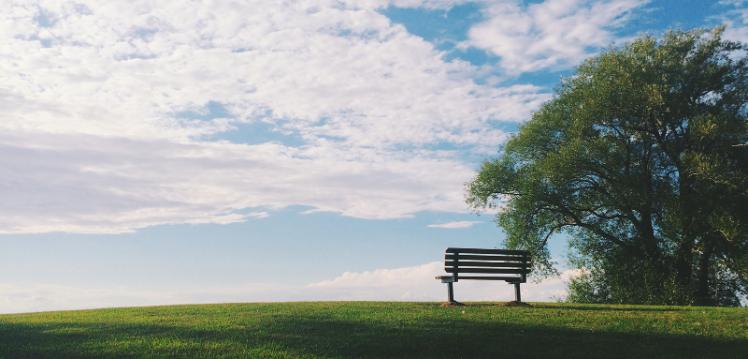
<point x="378" y="330"/>
<point x="641" y="159"/>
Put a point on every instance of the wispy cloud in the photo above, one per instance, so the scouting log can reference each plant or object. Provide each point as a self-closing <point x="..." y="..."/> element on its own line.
<point x="551" y="34"/>
<point x="258" y="214"/>
<point x="454" y="225"/>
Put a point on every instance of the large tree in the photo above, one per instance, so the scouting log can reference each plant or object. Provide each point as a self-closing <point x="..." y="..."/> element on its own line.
<point x="641" y="159"/>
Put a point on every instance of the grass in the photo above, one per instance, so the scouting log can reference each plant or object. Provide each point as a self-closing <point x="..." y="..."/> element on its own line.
<point x="379" y="330"/>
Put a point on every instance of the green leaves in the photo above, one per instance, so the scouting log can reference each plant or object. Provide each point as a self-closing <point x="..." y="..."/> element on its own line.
<point x="635" y="159"/>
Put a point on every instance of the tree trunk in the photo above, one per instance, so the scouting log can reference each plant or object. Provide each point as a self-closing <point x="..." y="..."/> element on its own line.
<point x="703" y="296"/>
<point x="684" y="260"/>
<point x="684" y="270"/>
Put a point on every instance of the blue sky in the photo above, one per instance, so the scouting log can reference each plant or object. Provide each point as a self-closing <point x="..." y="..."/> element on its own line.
<point x="155" y="153"/>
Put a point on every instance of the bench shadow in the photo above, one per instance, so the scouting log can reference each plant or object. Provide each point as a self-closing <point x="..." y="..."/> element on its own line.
<point x="328" y="336"/>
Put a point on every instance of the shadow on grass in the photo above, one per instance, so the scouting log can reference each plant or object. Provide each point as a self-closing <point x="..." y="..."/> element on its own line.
<point x="329" y="337"/>
<point x="616" y="309"/>
<point x="588" y="307"/>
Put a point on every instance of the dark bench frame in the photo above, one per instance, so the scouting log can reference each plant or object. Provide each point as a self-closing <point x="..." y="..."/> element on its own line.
<point x="511" y="266"/>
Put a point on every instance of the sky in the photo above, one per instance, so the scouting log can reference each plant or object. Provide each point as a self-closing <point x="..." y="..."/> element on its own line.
<point x="162" y="152"/>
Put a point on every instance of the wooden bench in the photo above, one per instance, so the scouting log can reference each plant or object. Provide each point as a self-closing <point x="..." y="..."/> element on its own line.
<point x="508" y="265"/>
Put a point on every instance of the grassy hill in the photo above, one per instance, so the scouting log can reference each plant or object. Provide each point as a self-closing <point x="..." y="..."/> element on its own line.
<point x="380" y="330"/>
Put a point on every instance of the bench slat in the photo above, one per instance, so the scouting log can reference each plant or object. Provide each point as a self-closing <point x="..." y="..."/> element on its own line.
<point x="508" y="265"/>
<point x="486" y="251"/>
<point x="484" y="270"/>
<point x="486" y="264"/>
<point x="484" y="258"/>
<point x="508" y="279"/>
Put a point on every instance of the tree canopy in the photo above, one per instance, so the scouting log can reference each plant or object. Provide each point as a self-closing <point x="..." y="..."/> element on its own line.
<point x="641" y="159"/>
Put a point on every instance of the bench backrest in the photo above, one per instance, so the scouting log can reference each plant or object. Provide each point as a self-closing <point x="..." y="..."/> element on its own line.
<point x="487" y="264"/>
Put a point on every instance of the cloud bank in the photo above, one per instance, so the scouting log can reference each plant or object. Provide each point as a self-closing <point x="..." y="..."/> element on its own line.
<point x="414" y="283"/>
<point x="120" y="115"/>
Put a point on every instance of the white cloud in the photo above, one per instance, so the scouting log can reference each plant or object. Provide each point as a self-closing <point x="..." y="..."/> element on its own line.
<point x="736" y="19"/>
<point x="414" y="283"/>
<point x="258" y="214"/>
<point x="419" y="283"/>
<point x="551" y="34"/>
<point x="92" y="141"/>
<point x="427" y="4"/>
<point x="454" y="225"/>
<point x="84" y="183"/>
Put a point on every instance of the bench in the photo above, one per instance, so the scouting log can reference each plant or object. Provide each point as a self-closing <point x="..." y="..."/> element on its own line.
<point x="508" y="265"/>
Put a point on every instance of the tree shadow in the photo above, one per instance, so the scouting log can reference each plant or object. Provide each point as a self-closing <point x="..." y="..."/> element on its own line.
<point x="593" y="307"/>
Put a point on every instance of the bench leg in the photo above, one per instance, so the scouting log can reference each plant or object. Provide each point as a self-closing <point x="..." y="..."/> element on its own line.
<point x="451" y="296"/>
<point x="517" y="295"/>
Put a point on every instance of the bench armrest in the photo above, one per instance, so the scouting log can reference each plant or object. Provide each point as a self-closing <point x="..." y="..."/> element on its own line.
<point x="446" y="278"/>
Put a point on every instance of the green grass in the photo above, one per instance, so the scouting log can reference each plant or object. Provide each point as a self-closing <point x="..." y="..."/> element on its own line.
<point x="380" y="330"/>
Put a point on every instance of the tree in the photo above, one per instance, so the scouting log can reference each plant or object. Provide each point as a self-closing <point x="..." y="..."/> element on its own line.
<point x="641" y="159"/>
